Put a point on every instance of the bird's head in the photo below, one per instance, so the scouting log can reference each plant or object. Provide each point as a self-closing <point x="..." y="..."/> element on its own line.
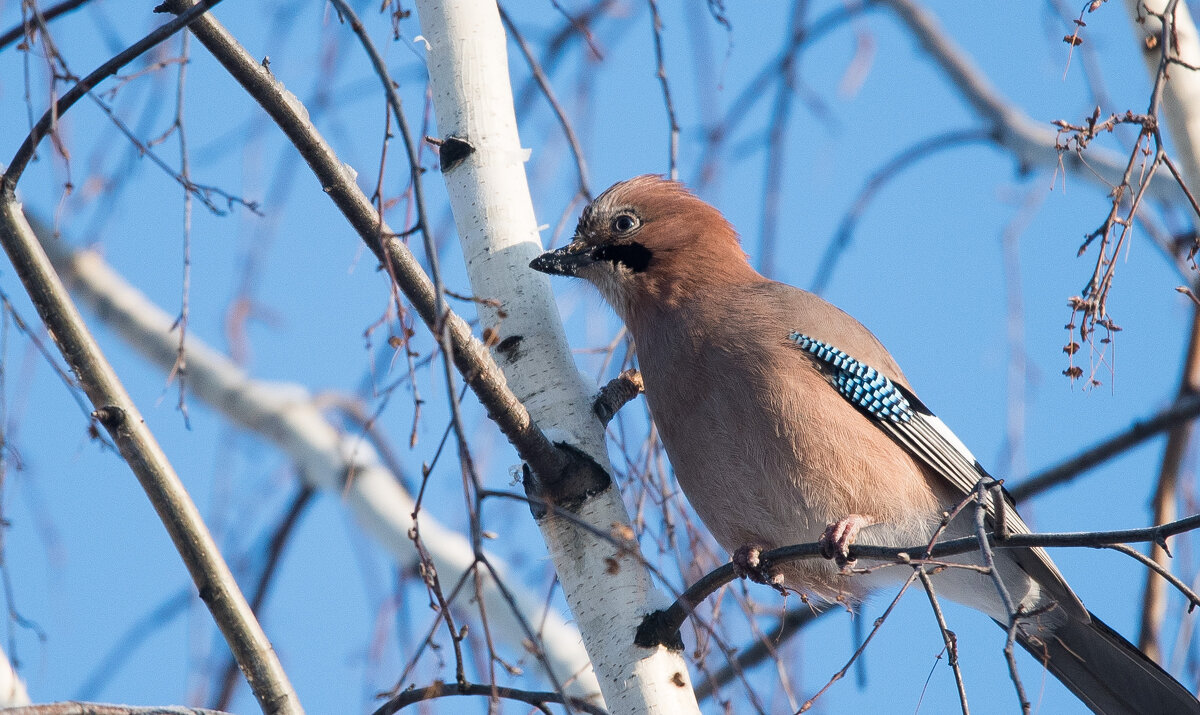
<point x="650" y="242"/>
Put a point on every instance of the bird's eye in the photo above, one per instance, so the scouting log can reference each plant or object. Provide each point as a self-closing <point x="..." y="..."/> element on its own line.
<point x="624" y="223"/>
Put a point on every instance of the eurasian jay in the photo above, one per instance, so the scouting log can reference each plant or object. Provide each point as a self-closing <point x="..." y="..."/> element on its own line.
<point x="787" y="422"/>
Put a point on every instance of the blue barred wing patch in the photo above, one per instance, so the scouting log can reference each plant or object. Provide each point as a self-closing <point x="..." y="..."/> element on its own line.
<point x="860" y="384"/>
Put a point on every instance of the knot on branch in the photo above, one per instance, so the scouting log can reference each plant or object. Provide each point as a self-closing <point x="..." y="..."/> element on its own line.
<point x="576" y="479"/>
<point x="452" y="151"/>
<point x="173" y="7"/>
<point x="110" y="416"/>
<point x="659" y="629"/>
<point x="619" y="391"/>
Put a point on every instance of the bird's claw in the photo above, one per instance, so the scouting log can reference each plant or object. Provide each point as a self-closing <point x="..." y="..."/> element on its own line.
<point x="835" y="543"/>
<point x="749" y="563"/>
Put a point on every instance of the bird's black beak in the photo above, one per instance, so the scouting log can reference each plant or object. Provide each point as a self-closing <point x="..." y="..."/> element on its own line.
<point x="565" y="261"/>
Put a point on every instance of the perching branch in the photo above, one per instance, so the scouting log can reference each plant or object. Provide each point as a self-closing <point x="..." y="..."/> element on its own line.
<point x="658" y="626"/>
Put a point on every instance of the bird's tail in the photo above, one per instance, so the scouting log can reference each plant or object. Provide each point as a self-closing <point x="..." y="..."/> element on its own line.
<point x="1108" y="673"/>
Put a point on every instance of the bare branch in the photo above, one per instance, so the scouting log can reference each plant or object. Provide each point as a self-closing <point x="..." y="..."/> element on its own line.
<point x="878" y="179"/>
<point x="1011" y="606"/>
<point x="279" y="539"/>
<point x="661" y="73"/>
<point x="78" y="708"/>
<point x="120" y="416"/>
<point x="789" y="625"/>
<point x="1031" y="142"/>
<point x="661" y="624"/>
<point x="948" y="637"/>
<point x="1185" y="409"/>
<point x="1165" y="501"/>
<point x="62" y="8"/>
<point x="325" y="458"/>
<point x="44" y="125"/>
<point x="470" y="356"/>
<point x="863" y="646"/>
<point x="493" y="692"/>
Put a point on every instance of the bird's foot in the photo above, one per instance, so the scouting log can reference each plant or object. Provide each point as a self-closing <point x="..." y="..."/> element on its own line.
<point x="839" y="536"/>
<point x="749" y="563"/>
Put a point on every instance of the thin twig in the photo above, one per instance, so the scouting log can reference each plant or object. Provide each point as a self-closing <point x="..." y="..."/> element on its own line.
<point x="1161" y="570"/>
<point x="1165" y="501"/>
<point x="44" y="125"/>
<point x="279" y="540"/>
<point x="776" y="148"/>
<point x="661" y="73"/>
<point x="537" y="699"/>
<point x="179" y="369"/>
<point x="878" y="179"/>
<point x="50" y="13"/>
<point x="948" y="638"/>
<point x="120" y="416"/>
<point x="125" y="646"/>
<point x="117" y="412"/>
<point x="1011" y="607"/>
<point x="470" y="356"/>
<point x="862" y="647"/>
<point x="792" y="622"/>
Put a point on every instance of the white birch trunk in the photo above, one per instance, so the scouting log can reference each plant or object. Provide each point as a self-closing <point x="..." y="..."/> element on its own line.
<point x="468" y="69"/>
<point x="1181" y="95"/>
<point x="12" y="688"/>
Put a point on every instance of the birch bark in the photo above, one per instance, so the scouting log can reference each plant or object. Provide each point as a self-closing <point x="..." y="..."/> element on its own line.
<point x="468" y="70"/>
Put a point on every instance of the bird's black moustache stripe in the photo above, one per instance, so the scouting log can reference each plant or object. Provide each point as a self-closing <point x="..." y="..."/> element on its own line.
<point x="633" y="255"/>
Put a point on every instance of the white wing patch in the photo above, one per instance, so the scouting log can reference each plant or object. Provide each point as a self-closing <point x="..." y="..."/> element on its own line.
<point x="950" y="437"/>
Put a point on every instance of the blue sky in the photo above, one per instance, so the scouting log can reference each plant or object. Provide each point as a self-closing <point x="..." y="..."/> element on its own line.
<point x="87" y="558"/>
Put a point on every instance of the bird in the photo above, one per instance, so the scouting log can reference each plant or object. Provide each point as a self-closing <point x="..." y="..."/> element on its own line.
<point x="786" y="421"/>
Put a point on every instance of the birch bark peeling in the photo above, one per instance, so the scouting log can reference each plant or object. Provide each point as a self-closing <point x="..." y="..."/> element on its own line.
<point x="608" y="590"/>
